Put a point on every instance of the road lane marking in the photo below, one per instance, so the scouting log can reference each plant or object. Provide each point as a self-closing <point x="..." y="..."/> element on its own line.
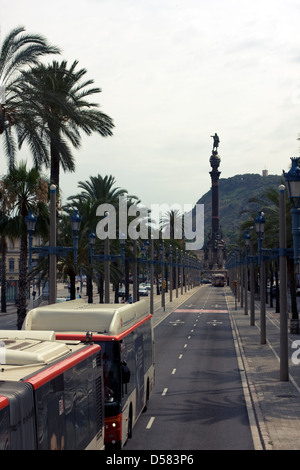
<point x="180" y="356"/>
<point x="173" y="371"/>
<point x="150" y="422"/>
<point x="176" y="322"/>
<point x="253" y="412"/>
<point x="194" y="310"/>
<point x="214" y="323"/>
<point x="164" y="392"/>
<point x="188" y="310"/>
<point x="185" y="346"/>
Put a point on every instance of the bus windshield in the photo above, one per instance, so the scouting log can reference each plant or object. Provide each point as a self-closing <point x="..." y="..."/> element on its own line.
<point x="112" y="375"/>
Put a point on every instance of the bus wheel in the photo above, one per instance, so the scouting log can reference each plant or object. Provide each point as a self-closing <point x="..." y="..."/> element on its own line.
<point x="130" y="424"/>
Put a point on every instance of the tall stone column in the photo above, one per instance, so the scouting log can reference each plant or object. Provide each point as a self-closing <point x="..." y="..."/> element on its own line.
<point x="215" y="250"/>
<point x="215" y="175"/>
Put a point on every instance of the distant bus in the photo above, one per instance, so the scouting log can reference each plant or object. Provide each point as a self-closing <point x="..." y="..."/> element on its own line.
<point x="51" y="393"/>
<point x="218" y="280"/>
<point x="125" y="334"/>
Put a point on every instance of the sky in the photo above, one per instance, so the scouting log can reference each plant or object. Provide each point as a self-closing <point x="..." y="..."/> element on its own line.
<point x="173" y="73"/>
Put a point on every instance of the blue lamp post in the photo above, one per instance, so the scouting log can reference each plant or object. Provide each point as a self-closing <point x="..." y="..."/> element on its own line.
<point x="171" y="272"/>
<point x="176" y="273"/>
<point x="247" y="245"/>
<point x="30" y="220"/>
<point x="260" y="228"/>
<point x="292" y="178"/>
<point x="52" y="250"/>
<point x="75" y="223"/>
<point x="92" y="240"/>
<point x="163" y="282"/>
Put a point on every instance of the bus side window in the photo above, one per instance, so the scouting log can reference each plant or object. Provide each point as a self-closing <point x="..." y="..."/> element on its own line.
<point x="125" y="373"/>
<point x="125" y="377"/>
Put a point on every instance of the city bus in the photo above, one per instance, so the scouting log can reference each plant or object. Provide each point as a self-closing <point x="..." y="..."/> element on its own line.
<point x="51" y="393"/>
<point x="218" y="280"/>
<point x="125" y="334"/>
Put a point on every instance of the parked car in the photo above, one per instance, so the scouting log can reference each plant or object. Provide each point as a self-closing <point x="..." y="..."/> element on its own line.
<point x="122" y="292"/>
<point x="143" y="291"/>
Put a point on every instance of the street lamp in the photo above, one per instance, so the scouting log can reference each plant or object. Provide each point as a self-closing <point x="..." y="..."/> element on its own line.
<point x="260" y="227"/>
<point x="30" y="220"/>
<point x="75" y="224"/>
<point x="247" y="246"/>
<point x="292" y="178"/>
<point x="92" y="241"/>
<point x="171" y="273"/>
<point x="52" y="250"/>
<point x="251" y="258"/>
<point x="176" y="273"/>
<point x="284" y="348"/>
<point x="163" y="282"/>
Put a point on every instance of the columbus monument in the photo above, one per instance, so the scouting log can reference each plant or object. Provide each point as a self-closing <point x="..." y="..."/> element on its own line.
<point x="215" y="251"/>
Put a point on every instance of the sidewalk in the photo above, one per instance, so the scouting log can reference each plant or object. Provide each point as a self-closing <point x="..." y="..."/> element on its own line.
<point x="276" y="403"/>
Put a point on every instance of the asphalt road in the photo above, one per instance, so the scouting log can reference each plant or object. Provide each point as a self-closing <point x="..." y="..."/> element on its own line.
<point x="198" y="401"/>
<point x="8" y="322"/>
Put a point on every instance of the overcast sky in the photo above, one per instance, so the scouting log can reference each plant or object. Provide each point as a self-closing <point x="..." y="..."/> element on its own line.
<point x="172" y="73"/>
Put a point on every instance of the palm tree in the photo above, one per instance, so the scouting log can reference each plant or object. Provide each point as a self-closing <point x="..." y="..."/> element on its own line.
<point x="19" y="51"/>
<point x="98" y="190"/>
<point x="57" y="96"/>
<point x="29" y="191"/>
<point x="4" y="223"/>
<point x="6" y="230"/>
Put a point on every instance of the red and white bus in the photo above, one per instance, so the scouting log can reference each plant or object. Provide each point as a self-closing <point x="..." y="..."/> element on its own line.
<point x="51" y="393"/>
<point x="218" y="280"/>
<point x="125" y="334"/>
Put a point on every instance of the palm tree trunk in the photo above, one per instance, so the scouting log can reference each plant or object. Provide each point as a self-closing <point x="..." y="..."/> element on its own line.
<point x="3" y="274"/>
<point x="101" y="289"/>
<point x="72" y="285"/>
<point x="54" y="169"/>
<point x="89" y="288"/>
<point x="22" y="291"/>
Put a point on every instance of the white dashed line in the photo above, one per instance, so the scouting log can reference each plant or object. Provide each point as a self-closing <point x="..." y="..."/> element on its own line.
<point x="150" y="422"/>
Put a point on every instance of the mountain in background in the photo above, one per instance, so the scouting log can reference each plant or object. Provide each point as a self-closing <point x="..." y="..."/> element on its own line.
<point x="234" y="194"/>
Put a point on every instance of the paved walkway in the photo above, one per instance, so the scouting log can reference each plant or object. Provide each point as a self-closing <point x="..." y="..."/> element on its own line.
<point x="275" y="403"/>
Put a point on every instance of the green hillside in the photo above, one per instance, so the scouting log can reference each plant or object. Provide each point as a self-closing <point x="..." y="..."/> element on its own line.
<point x="234" y="194"/>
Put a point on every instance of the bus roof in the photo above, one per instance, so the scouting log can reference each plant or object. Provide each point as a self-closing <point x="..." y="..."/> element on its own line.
<point x="76" y="315"/>
<point x="21" y="348"/>
<point x="27" y="353"/>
